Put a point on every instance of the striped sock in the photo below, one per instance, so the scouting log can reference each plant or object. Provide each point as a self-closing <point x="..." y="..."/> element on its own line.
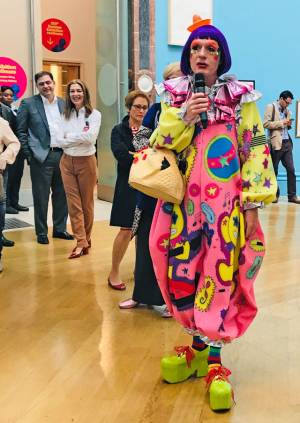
<point x="214" y="357"/>
<point x="198" y="344"/>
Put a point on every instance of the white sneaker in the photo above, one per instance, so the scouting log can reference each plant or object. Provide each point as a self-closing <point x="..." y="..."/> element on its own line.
<point x="163" y="311"/>
<point x="166" y="313"/>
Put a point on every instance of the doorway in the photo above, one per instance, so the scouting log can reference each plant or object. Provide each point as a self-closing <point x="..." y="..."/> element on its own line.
<point x="62" y="72"/>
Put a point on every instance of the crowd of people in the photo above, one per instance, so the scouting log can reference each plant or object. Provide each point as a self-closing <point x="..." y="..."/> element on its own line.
<point x="198" y="259"/>
<point x="57" y="139"/>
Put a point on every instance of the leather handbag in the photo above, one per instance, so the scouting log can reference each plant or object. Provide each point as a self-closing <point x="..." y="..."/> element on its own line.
<point x="154" y="172"/>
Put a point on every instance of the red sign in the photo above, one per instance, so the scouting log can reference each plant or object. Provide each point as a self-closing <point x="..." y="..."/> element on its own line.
<point x="13" y="75"/>
<point x="56" y="35"/>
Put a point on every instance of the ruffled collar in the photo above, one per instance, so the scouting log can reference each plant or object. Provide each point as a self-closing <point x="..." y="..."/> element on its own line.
<point x="226" y="95"/>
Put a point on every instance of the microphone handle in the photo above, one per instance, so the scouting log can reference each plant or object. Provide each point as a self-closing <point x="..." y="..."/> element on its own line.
<point x="204" y="120"/>
<point x="200" y="88"/>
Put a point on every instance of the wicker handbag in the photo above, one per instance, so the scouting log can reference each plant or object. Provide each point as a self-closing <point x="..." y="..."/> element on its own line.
<point x="155" y="173"/>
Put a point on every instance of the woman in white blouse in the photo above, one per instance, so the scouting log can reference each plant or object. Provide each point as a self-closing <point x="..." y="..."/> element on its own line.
<point x="78" y="164"/>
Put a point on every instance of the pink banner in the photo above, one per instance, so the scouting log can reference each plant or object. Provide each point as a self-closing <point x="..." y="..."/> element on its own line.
<point x="13" y="75"/>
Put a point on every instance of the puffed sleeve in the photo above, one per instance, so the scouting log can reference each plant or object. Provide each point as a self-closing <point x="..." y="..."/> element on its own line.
<point x="172" y="132"/>
<point x="258" y="178"/>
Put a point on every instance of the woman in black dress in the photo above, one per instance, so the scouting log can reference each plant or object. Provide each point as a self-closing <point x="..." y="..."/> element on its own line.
<point x="125" y="140"/>
<point x="146" y="289"/>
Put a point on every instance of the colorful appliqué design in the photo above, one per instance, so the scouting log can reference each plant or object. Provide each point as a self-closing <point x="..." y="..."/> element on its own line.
<point x="267" y="183"/>
<point x="220" y="159"/>
<point x="230" y="229"/>
<point x="212" y="190"/>
<point x="267" y="151"/>
<point x="205" y="295"/>
<point x="255" y="267"/>
<point x="167" y="139"/>
<point x="194" y="190"/>
<point x="208" y="213"/>
<point x="190" y="207"/>
<point x="257" y="245"/>
<point x="246" y="147"/>
<point x="186" y="161"/>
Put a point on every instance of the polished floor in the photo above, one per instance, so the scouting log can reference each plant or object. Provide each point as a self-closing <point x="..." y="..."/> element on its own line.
<point x="68" y="354"/>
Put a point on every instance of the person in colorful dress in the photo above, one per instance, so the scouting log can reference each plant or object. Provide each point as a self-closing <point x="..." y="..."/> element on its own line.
<point x="207" y="251"/>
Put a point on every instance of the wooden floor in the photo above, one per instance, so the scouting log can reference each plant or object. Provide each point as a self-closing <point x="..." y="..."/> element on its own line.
<point x="68" y="354"/>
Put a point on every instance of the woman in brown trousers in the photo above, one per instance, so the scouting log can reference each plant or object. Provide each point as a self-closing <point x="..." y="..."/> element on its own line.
<point x="81" y="125"/>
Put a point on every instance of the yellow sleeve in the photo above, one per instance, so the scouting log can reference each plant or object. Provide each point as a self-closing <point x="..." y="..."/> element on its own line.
<point x="172" y="132"/>
<point x="258" y="177"/>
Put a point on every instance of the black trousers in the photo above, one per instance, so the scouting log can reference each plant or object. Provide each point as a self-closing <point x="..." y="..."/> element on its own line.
<point x="15" y="173"/>
<point x="45" y="177"/>
<point x="285" y="156"/>
<point x="146" y="289"/>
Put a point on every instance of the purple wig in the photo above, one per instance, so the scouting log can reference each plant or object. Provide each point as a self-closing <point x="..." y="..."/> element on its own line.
<point x="206" y="31"/>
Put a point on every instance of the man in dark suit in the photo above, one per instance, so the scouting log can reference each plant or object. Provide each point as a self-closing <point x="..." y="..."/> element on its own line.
<point x="39" y="127"/>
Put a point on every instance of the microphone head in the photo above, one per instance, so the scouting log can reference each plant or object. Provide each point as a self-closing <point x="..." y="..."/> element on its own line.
<point x="199" y="80"/>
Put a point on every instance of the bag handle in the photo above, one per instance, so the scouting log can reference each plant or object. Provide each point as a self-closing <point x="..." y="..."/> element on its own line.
<point x="273" y="113"/>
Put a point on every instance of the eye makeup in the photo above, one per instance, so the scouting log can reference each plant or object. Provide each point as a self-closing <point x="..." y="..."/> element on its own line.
<point x="211" y="46"/>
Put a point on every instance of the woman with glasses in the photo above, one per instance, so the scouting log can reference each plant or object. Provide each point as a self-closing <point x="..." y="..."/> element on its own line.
<point x="207" y="251"/>
<point x="126" y="138"/>
<point x="146" y="289"/>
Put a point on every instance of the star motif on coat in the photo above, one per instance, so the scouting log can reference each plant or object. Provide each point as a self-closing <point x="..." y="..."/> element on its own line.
<point x="224" y="161"/>
<point x="165" y="243"/>
<point x="267" y="150"/>
<point x="266" y="163"/>
<point x="168" y="139"/>
<point x="212" y="190"/>
<point x="255" y="129"/>
<point x="246" y="184"/>
<point x="229" y="127"/>
<point x="267" y="183"/>
<point x="257" y="178"/>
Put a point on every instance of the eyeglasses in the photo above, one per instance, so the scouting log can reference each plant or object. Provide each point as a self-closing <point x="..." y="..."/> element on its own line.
<point x="140" y="107"/>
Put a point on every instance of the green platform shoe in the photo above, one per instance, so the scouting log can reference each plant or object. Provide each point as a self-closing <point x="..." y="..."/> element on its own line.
<point x="220" y="389"/>
<point x="186" y="363"/>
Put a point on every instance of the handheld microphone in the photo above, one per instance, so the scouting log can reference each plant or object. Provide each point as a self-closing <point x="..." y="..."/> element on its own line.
<point x="199" y="87"/>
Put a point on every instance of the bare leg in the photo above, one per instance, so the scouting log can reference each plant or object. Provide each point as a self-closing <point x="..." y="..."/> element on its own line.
<point x="120" y="246"/>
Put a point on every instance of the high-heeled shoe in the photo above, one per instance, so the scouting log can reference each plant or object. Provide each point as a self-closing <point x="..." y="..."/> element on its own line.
<point x="127" y="304"/>
<point x="119" y="287"/>
<point x="221" y="395"/>
<point x="84" y="251"/>
<point x="186" y="363"/>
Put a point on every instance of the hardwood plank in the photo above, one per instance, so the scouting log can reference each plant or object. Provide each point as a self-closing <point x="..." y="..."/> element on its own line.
<point x="68" y="354"/>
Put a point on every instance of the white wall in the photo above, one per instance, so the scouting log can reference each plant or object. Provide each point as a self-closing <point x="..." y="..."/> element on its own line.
<point x="80" y="17"/>
<point x="16" y="39"/>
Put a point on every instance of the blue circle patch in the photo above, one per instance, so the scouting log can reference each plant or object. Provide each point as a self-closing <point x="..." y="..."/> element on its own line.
<point x="221" y="158"/>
